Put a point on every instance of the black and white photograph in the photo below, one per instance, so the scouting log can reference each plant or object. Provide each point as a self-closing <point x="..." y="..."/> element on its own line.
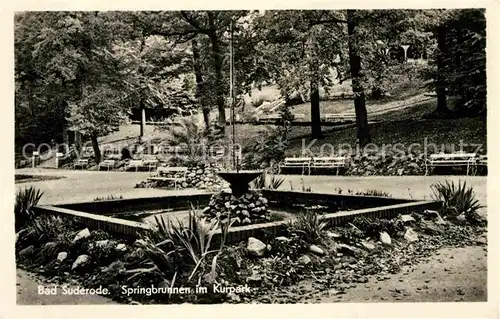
<point x="294" y="156"/>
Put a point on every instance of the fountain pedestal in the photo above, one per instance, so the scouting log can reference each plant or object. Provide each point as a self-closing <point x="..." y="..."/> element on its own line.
<point x="239" y="180"/>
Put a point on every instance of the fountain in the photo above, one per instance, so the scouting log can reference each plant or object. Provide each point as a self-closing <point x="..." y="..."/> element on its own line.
<point x="245" y="205"/>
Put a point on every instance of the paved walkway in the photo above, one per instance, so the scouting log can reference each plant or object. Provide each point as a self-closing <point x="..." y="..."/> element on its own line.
<point x="87" y="185"/>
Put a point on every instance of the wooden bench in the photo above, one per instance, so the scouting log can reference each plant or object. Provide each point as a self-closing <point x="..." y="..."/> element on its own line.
<point x="165" y="170"/>
<point x="450" y="160"/>
<point x="336" y="163"/>
<point x="330" y="117"/>
<point x="108" y="164"/>
<point x="299" y="116"/>
<point x="134" y="164"/>
<point x="270" y="118"/>
<point x="296" y="162"/>
<point x="151" y="164"/>
<point x="82" y="163"/>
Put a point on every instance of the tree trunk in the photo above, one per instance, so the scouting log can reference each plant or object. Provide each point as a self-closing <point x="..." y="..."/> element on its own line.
<point x="219" y="89"/>
<point x="78" y="141"/>
<point x="314" y="94"/>
<point x="362" y="128"/>
<point x="199" y="83"/>
<point x="442" y="106"/>
<point x="95" y="146"/>
<point x="143" y="118"/>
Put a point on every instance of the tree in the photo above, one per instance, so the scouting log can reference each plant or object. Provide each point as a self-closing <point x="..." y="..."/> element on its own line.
<point x="303" y="48"/>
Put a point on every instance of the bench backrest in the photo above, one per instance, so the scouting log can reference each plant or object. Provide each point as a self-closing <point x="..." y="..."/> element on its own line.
<point x="136" y="162"/>
<point x="109" y="161"/>
<point x="454" y="156"/>
<point x="297" y="160"/>
<point x="338" y="159"/>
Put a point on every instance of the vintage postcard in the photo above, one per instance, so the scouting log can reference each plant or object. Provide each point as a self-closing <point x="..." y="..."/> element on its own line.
<point x="178" y="157"/>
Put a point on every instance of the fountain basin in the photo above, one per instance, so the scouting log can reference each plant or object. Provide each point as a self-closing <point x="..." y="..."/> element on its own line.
<point x="239" y="180"/>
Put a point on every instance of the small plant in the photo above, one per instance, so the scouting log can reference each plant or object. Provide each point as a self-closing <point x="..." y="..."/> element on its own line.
<point x="109" y="197"/>
<point x="457" y="198"/>
<point x="260" y="182"/>
<point x="374" y="192"/>
<point x="23" y="209"/>
<point x="308" y="225"/>
<point x="41" y="230"/>
<point x="177" y="251"/>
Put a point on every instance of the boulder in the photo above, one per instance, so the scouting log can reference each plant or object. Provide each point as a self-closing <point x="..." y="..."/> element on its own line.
<point x="80" y="261"/>
<point x="121" y="247"/>
<point x="407" y="218"/>
<point x="30" y="250"/>
<point x="62" y="256"/>
<point x="367" y="245"/>
<point x="461" y="219"/>
<point x="255" y="247"/>
<point x="346" y="250"/>
<point x="400" y="171"/>
<point x="316" y="250"/>
<point x="101" y="243"/>
<point x="410" y="235"/>
<point x="84" y="233"/>
<point x="304" y="260"/>
<point x="385" y="238"/>
<point x="332" y="234"/>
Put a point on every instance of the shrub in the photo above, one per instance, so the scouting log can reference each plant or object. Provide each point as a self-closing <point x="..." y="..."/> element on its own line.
<point x="308" y="225"/>
<point x="25" y="200"/>
<point x="179" y="252"/>
<point x="41" y="230"/>
<point x="372" y="227"/>
<point x="457" y="198"/>
<point x="260" y="182"/>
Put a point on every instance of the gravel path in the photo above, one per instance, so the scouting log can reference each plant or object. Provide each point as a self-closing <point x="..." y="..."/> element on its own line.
<point x="451" y="274"/>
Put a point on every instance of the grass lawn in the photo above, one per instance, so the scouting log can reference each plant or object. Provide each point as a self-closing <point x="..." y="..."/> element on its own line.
<point x="407" y="132"/>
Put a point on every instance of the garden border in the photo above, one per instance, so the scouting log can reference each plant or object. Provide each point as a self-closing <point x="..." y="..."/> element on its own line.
<point x="239" y="233"/>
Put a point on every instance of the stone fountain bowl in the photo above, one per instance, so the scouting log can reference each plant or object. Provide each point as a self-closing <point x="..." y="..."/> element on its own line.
<point x="239" y="177"/>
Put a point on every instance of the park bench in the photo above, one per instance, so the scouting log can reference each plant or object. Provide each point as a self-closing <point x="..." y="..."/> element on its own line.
<point x="461" y="159"/>
<point x="150" y="164"/>
<point x="296" y="162"/>
<point x="273" y="118"/>
<point x="338" y="116"/>
<point x="299" y="116"/>
<point x="108" y="164"/>
<point x="337" y="163"/>
<point x="136" y="164"/>
<point x="82" y="163"/>
<point x="165" y="170"/>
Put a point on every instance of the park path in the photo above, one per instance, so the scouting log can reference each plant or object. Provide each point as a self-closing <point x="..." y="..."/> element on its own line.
<point x="451" y="274"/>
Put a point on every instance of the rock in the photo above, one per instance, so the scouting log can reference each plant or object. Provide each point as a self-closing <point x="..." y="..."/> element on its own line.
<point x="283" y="239"/>
<point x="61" y="256"/>
<point x="304" y="260"/>
<point x="367" y="245"/>
<point x="385" y="238"/>
<point x="461" y="219"/>
<point x="332" y="234"/>
<point x="410" y="235"/>
<point x="30" y="250"/>
<point x="407" y="218"/>
<point x="84" y="233"/>
<point x="414" y="166"/>
<point x="346" y="250"/>
<point x="400" y="171"/>
<point x="102" y="243"/>
<point x="255" y="247"/>
<point x="316" y="250"/>
<point x="80" y="261"/>
<point x="121" y="247"/>
<point x="254" y="278"/>
<point x="430" y="229"/>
